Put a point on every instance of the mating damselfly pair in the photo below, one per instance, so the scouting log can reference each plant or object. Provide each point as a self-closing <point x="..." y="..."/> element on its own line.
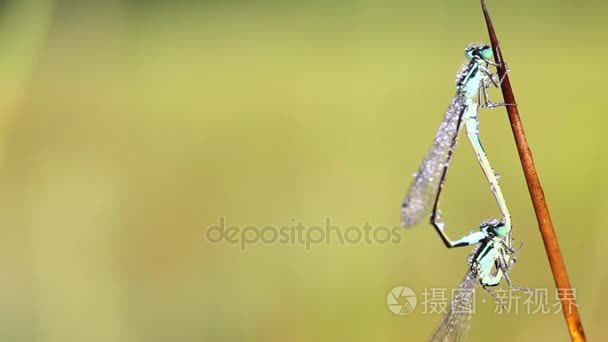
<point x="494" y="254"/>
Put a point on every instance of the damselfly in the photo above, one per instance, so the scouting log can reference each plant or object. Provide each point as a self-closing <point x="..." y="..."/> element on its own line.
<point x="456" y="322"/>
<point x="472" y="80"/>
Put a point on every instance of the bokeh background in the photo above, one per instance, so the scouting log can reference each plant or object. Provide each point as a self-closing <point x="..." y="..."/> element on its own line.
<point x="130" y="127"/>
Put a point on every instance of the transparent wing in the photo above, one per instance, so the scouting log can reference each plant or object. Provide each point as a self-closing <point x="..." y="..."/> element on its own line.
<point x="457" y="321"/>
<point x="427" y="180"/>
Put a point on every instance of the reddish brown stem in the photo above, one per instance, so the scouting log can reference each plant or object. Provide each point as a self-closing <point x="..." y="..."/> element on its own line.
<point x="545" y="225"/>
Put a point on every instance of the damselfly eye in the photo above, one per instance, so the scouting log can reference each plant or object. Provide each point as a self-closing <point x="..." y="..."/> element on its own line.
<point x="486" y="53"/>
<point x="469" y="52"/>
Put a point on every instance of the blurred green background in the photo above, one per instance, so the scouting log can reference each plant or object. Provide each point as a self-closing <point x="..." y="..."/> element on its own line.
<point x="130" y="127"/>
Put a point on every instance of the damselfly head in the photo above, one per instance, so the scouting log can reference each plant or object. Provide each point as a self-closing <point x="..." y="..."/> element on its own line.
<point x="483" y="52"/>
<point x="494" y="227"/>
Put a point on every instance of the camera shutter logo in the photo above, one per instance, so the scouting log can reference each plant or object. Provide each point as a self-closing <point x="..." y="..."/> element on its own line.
<point x="401" y="300"/>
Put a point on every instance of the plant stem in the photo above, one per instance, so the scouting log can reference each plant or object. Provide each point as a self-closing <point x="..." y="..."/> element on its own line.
<point x="545" y="225"/>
